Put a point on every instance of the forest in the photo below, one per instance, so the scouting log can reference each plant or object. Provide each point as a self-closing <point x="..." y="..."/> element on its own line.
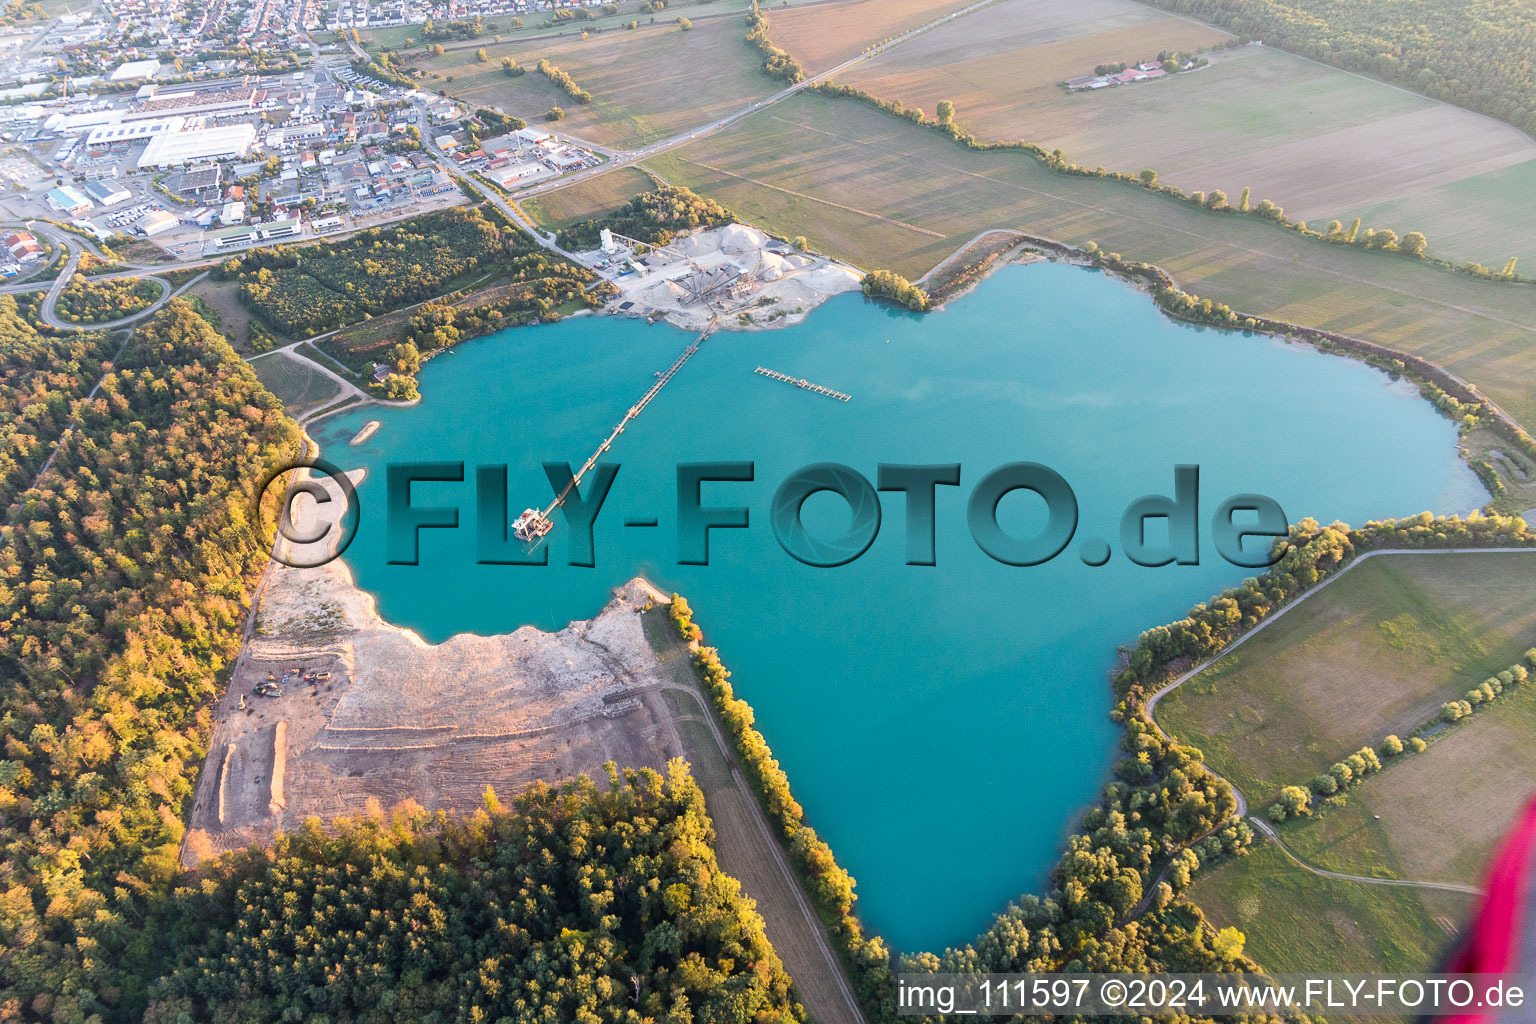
<point x="549" y="284"/>
<point x="127" y="568"/>
<point x="654" y="217"/>
<point x="85" y="301"/>
<point x="571" y="905"/>
<point x="124" y="572"/>
<point x="1479" y="54"/>
<point x="370" y="273"/>
<point x="42" y="375"/>
<point x="541" y="283"/>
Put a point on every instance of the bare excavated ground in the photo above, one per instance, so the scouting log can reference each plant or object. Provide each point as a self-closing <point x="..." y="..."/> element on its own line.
<point x="401" y="720"/>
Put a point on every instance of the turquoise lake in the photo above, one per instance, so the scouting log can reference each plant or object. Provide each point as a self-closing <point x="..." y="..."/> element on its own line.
<point x="942" y="726"/>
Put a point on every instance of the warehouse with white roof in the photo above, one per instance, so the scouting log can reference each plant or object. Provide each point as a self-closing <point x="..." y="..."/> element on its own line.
<point x="136" y="70"/>
<point x="177" y="149"/>
<point x="138" y="131"/>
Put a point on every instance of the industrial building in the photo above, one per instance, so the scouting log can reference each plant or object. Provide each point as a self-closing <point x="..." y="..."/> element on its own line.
<point x="510" y="174"/>
<point x="203" y="104"/>
<point x="81" y="121"/>
<point x="135" y="70"/>
<point x="138" y="131"/>
<point x="158" y="223"/>
<point x="68" y="199"/>
<point x="249" y="234"/>
<point x="107" y="192"/>
<point x="177" y="149"/>
<point x="23" y="247"/>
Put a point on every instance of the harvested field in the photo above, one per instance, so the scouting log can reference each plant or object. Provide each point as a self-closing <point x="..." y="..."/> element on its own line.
<point x="1434" y="816"/>
<point x="879" y="191"/>
<point x="1320" y="142"/>
<point x="646" y="84"/>
<point x="1297" y="921"/>
<point x="1376" y="652"/>
<point x="297" y="384"/>
<point x="1001" y="67"/>
<point x="1488" y="217"/>
<point x="824" y="35"/>
<point x="588" y="199"/>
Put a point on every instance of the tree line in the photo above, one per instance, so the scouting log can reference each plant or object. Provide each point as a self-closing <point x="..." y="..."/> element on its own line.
<point x="1413" y="244"/>
<point x="776" y="62"/>
<point x="1348" y="772"/>
<point x="654" y="217"/>
<point x="565" y="82"/>
<point x="1451" y="396"/>
<point x="1489" y="690"/>
<point x="865" y="958"/>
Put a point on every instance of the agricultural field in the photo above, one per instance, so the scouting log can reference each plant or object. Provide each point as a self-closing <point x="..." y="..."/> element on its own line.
<point x="1297" y="921"/>
<point x="1372" y="653"/>
<point x="1437" y="815"/>
<point x="881" y="192"/>
<point x="588" y="199"/>
<point x="1001" y="67"/>
<point x="825" y="35"/>
<point x="1375" y="652"/>
<point x="646" y="84"/>
<point x="1486" y="217"/>
<point x="1320" y="142"/>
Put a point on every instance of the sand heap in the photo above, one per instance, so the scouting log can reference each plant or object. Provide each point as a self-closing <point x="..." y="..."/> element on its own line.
<point x="752" y="279"/>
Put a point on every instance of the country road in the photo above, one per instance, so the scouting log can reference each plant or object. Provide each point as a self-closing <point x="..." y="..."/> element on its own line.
<point x="630" y="157"/>
<point x="1258" y="822"/>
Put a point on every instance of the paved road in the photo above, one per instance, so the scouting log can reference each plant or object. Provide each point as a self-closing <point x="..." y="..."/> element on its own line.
<point x="1258" y="822"/>
<point x="627" y="158"/>
<point x="56" y="289"/>
<point x="77" y="248"/>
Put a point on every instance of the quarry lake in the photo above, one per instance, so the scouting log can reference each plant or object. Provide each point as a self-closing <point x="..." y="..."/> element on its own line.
<point x="943" y="726"/>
